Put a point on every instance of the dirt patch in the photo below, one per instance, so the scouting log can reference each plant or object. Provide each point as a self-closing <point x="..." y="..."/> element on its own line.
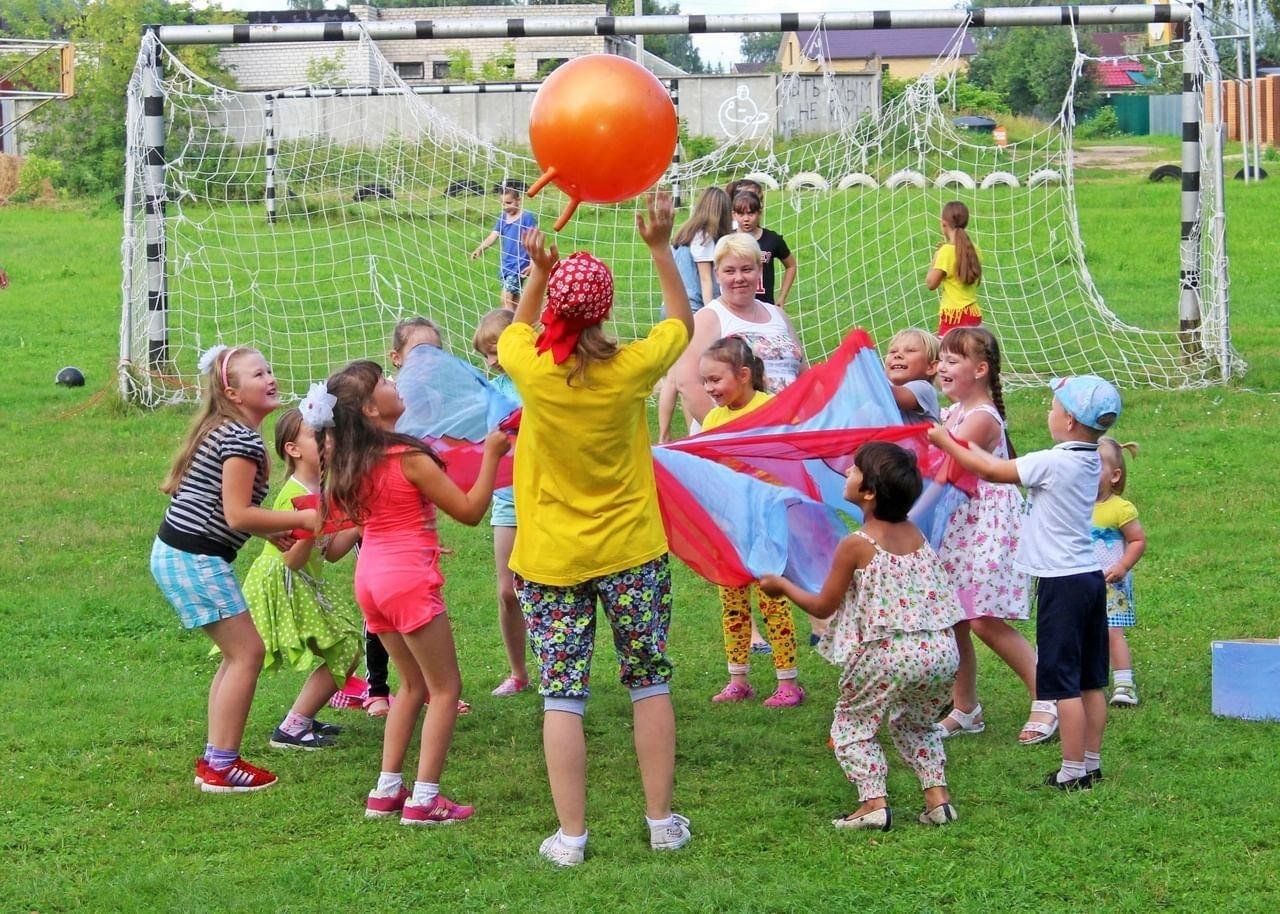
<point x="1129" y="158"/>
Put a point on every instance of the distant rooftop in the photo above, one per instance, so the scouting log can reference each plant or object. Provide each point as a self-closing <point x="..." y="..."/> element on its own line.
<point x="891" y="43"/>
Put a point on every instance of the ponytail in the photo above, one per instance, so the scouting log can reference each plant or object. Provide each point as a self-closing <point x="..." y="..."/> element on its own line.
<point x="968" y="267"/>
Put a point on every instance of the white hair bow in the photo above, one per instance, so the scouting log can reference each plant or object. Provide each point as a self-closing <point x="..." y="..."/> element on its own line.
<point x="210" y="357"/>
<point x="317" y="406"/>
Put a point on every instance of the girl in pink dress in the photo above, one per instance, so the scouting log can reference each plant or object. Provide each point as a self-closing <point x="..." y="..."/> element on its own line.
<point x="391" y="484"/>
<point x="982" y="536"/>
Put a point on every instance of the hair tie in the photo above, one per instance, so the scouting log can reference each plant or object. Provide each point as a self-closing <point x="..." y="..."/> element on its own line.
<point x="317" y="406"/>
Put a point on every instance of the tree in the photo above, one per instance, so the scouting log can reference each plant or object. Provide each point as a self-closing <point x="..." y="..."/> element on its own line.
<point x="1032" y="69"/>
<point x="675" y="49"/>
<point x="86" y="133"/>
<point x="762" y="47"/>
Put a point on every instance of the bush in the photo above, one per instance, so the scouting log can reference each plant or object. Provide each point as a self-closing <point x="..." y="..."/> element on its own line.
<point x="1104" y="123"/>
<point x="35" y="178"/>
<point x="695" y="147"/>
<point x="971" y="99"/>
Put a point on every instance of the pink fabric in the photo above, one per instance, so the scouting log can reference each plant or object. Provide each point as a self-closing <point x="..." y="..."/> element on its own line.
<point x="398" y="582"/>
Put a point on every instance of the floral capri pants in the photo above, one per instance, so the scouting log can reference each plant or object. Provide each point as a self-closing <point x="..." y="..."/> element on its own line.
<point x="907" y="679"/>
<point x="561" y="622"/>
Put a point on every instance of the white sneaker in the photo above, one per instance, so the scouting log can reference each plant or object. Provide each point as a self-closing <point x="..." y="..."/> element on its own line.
<point x="670" y="837"/>
<point x="559" y="852"/>
<point x="1124" y="694"/>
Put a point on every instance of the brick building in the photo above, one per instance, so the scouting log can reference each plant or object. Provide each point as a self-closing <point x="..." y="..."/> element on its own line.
<point x="272" y="66"/>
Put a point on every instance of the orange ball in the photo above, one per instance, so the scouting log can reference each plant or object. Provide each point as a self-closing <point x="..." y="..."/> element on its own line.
<point x="603" y="129"/>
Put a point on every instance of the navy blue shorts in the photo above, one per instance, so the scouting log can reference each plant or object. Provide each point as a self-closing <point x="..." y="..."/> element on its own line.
<point x="1071" y="635"/>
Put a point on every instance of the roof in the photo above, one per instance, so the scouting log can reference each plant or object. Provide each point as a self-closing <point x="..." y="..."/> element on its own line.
<point x="1120" y="74"/>
<point x="1118" y="44"/>
<point x="743" y="68"/>
<point x="890" y="43"/>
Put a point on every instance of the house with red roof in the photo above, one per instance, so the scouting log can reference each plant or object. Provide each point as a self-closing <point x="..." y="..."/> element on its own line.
<point x="1120" y="71"/>
<point x="900" y="53"/>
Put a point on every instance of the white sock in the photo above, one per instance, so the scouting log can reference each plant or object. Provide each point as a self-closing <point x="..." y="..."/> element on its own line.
<point x="1123" y="677"/>
<point x="1070" y="771"/>
<point x="424" y="792"/>
<point x="574" y="840"/>
<point x="660" y="823"/>
<point x="1092" y="762"/>
<point x="784" y="675"/>
<point x="389" y="782"/>
<point x="739" y="669"/>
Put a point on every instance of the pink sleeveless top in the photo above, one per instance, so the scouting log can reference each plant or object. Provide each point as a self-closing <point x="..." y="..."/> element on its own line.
<point x="400" y="525"/>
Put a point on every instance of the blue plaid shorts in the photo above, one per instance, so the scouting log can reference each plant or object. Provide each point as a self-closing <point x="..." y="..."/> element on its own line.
<point x="201" y="588"/>
<point x="512" y="282"/>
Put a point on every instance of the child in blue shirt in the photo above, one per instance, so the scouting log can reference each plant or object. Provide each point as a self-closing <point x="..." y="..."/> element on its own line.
<point x="513" y="261"/>
<point x="1056" y="548"/>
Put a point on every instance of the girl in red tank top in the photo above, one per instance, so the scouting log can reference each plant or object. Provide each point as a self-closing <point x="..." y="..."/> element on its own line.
<point x="391" y="485"/>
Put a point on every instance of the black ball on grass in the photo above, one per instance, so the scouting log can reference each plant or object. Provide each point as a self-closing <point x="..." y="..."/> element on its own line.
<point x="70" y="377"/>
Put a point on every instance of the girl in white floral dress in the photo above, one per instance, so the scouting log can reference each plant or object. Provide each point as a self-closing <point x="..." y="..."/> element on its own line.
<point x="981" y="538"/>
<point x="895" y="609"/>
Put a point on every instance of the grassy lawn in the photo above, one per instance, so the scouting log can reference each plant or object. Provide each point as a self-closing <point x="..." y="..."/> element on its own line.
<point x="104" y="696"/>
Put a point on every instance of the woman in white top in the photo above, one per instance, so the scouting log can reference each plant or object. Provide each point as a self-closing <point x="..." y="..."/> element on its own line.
<point x="737" y="311"/>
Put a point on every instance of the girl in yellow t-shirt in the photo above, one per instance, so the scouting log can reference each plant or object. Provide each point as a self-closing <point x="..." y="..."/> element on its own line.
<point x="1118" y="543"/>
<point x="957" y="268"/>
<point x="733" y="376"/>
<point x="587" y="511"/>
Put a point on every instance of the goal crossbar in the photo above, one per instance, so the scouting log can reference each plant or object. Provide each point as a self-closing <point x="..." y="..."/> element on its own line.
<point x="1196" y="223"/>
<point x="564" y="26"/>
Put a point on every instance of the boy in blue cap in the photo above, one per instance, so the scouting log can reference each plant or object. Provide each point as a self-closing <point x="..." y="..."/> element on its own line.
<point x="1056" y="549"/>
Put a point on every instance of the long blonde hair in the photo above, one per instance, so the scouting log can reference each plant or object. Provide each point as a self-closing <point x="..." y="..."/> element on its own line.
<point x="593" y="347"/>
<point x="712" y="215"/>
<point x="216" y="409"/>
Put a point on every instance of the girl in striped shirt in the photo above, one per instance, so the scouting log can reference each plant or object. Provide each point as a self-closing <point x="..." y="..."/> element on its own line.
<point x="216" y="484"/>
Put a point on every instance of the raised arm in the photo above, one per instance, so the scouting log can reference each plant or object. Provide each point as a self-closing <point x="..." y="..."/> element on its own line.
<point x="541" y="261"/>
<point x="466" y="507"/>
<point x="654" y="226"/>
<point x="974" y="459"/>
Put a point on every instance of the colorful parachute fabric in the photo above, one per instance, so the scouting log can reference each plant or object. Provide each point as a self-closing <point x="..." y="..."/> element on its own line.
<point x="804" y="440"/>
<point x="763" y="494"/>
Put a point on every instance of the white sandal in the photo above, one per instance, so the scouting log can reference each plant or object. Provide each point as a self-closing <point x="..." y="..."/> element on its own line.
<point x="965" y="721"/>
<point x="1044" y="732"/>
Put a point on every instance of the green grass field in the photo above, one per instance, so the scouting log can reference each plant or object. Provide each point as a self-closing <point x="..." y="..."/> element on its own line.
<point x="104" y="697"/>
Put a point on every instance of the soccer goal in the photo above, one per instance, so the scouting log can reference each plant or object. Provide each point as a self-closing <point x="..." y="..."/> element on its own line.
<point x="307" y="221"/>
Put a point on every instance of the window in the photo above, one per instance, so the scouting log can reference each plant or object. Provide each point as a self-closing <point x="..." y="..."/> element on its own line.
<point x="439" y="69"/>
<point x="547" y="64"/>
<point x="409" y="70"/>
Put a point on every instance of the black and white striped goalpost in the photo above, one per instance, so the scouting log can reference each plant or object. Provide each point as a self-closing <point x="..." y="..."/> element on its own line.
<point x="152" y="151"/>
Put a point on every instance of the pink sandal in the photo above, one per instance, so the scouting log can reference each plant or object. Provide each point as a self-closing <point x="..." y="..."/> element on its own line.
<point x="787" y="695"/>
<point x="377" y="705"/>
<point x="734" y="691"/>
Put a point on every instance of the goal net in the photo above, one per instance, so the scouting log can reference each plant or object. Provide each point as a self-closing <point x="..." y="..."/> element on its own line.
<point x="379" y="199"/>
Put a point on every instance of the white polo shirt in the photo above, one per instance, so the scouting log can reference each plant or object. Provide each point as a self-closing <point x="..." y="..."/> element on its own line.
<point x="1062" y="486"/>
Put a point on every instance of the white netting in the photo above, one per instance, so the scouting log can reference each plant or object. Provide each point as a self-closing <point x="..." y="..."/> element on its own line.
<point x="327" y="280"/>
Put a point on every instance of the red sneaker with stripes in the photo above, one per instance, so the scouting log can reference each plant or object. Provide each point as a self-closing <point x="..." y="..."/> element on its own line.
<point x="241" y="777"/>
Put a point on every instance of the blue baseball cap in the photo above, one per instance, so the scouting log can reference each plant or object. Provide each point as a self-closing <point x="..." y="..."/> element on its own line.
<point x="1093" y="401"/>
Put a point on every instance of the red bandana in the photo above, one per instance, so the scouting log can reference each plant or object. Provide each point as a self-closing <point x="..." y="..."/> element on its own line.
<point x="579" y="295"/>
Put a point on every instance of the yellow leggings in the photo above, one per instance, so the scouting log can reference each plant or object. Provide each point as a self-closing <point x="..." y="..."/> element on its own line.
<point x="780" y="629"/>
